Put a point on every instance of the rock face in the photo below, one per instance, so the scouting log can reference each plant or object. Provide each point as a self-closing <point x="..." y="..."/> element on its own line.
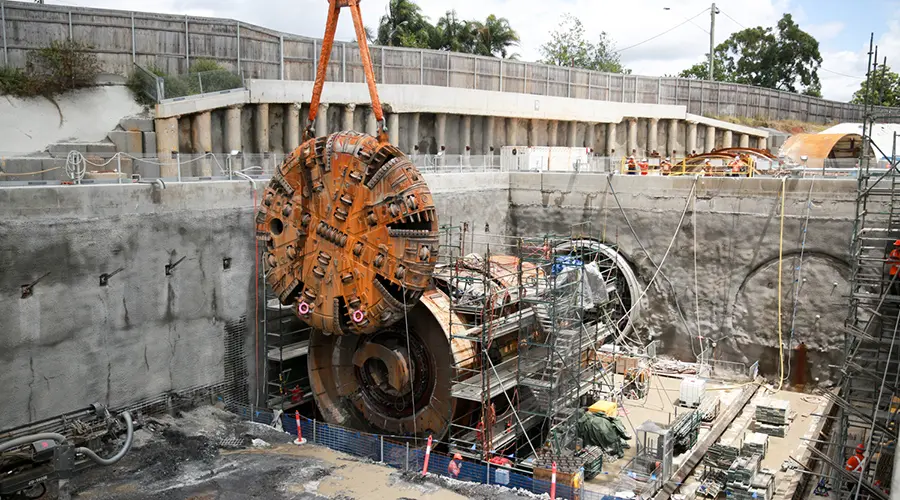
<point x="734" y="229"/>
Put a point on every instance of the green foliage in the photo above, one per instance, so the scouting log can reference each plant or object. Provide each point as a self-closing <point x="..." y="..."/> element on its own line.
<point x="52" y="70"/>
<point x="784" y="58"/>
<point x="14" y="81"/>
<point x="568" y="46"/>
<point x="884" y="89"/>
<point x="404" y="26"/>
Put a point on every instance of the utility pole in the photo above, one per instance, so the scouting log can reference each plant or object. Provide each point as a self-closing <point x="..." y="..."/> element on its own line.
<point x="712" y="41"/>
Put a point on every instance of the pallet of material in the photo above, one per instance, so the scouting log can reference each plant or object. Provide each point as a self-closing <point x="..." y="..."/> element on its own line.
<point x="755" y="443"/>
<point x="772" y="430"/>
<point x="709" y="407"/>
<point x="773" y="412"/>
<point x="741" y="472"/>
<point x="721" y="456"/>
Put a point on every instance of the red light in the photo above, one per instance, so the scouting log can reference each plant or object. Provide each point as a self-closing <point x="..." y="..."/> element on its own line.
<point x="44" y="444"/>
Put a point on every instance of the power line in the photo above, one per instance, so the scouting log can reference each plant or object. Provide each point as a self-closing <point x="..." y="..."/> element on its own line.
<point x="665" y="32"/>
<point x="735" y="21"/>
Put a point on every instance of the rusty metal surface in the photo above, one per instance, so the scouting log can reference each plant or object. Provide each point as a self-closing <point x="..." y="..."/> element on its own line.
<point x="816" y="147"/>
<point x="352" y="389"/>
<point x="350" y="232"/>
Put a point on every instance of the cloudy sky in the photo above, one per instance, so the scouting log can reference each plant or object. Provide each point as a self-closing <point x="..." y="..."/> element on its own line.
<point x="841" y="27"/>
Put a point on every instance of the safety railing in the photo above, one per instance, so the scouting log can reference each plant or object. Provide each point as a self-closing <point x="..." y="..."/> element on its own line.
<point x="406" y="454"/>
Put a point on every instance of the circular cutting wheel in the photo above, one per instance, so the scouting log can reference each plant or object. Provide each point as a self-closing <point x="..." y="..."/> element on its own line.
<point x="350" y="232"/>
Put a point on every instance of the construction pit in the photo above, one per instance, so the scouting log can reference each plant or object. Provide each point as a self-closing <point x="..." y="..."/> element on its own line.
<point x="339" y="324"/>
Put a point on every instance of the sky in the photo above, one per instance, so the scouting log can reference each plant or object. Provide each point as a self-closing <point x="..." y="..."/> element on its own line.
<point x="841" y="27"/>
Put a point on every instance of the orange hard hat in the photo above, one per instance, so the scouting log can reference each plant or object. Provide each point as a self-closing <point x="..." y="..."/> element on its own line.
<point x="457" y="456"/>
<point x="860" y="448"/>
<point x="897" y="243"/>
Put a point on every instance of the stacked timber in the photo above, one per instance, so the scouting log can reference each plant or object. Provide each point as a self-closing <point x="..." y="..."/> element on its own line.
<point x="741" y="472"/>
<point x="772" y="417"/>
<point x="755" y="443"/>
<point x="721" y="456"/>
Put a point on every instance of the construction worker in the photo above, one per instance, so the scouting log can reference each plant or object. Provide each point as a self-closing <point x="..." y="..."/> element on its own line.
<point x="736" y="166"/>
<point x="707" y="169"/>
<point x="645" y="166"/>
<point x="894" y="262"/>
<point x="632" y="166"/>
<point x="666" y="166"/>
<point x="855" y="462"/>
<point x="455" y="466"/>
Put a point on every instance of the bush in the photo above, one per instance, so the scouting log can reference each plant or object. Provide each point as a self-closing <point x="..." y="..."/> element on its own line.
<point x="52" y="70"/>
<point x="14" y="81"/>
<point x="202" y="65"/>
<point x="62" y="66"/>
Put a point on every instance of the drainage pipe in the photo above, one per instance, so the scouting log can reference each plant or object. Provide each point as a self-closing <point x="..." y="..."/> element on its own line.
<point x="129" y="438"/>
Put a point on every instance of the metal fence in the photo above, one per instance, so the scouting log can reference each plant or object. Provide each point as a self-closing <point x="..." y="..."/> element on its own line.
<point x="172" y="43"/>
<point x="407" y="455"/>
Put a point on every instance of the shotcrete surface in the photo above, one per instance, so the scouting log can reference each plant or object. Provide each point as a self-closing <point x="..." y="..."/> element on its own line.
<point x="84" y="115"/>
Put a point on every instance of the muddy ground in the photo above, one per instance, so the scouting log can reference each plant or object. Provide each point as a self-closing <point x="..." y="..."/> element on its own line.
<point x="208" y="453"/>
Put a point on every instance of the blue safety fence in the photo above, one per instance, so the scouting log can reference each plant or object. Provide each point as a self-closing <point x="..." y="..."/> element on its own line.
<point x="402" y="454"/>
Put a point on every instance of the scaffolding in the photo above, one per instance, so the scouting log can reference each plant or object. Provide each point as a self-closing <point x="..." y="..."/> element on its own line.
<point x="866" y="404"/>
<point x="286" y="348"/>
<point x="536" y="326"/>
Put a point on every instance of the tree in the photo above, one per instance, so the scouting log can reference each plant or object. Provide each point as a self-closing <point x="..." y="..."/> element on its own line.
<point x="454" y="35"/>
<point x="403" y="25"/>
<point x="494" y="37"/>
<point x="884" y="89"/>
<point x="569" y="47"/>
<point x="783" y="58"/>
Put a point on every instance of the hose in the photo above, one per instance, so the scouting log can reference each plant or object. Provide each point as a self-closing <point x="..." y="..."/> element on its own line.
<point x="129" y="438"/>
<point x="780" y="261"/>
<point x="19" y="441"/>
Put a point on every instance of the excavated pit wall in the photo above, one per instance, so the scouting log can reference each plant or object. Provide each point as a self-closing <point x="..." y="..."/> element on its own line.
<point x="74" y="342"/>
<point x="738" y="227"/>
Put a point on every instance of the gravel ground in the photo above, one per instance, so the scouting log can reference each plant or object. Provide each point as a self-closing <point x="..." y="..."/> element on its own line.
<point x="208" y="453"/>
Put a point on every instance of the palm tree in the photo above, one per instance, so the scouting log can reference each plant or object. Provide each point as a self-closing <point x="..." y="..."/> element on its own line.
<point x="403" y="25"/>
<point x="454" y="35"/>
<point x="495" y="37"/>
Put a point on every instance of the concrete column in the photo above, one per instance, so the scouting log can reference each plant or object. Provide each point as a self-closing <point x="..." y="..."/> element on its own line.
<point x="727" y="139"/>
<point x="394" y="129"/>
<point x="291" y="126"/>
<point x="489" y="135"/>
<point x="371" y="124"/>
<point x="672" y="144"/>
<point x="465" y="134"/>
<point x="573" y="134"/>
<point x="590" y="139"/>
<point x="745" y="141"/>
<point x="441" y="131"/>
<point x="632" y="137"/>
<point x="262" y="128"/>
<point x="762" y="143"/>
<point x="512" y="132"/>
<point x="691" y="139"/>
<point x="232" y="129"/>
<point x="166" y="145"/>
<point x="347" y="124"/>
<point x="710" y="138"/>
<point x="414" y="133"/>
<point x="322" y="120"/>
<point x="611" y="146"/>
<point x="653" y="138"/>
<point x="553" y="133"/>
<point x="201" y="140"/>
<point x="531" y="133"/>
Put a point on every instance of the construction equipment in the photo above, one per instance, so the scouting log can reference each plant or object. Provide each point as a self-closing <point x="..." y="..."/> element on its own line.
<point x="38" y="459"/>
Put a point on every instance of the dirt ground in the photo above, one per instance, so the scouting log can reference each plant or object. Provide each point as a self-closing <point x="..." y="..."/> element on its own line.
<point x="211" y="454"/>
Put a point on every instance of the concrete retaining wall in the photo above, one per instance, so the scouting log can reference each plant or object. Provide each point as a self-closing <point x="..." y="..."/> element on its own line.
<point x="172" y="42"/>
<point x="145" y="333"/>
<point x="735" y="227"/>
